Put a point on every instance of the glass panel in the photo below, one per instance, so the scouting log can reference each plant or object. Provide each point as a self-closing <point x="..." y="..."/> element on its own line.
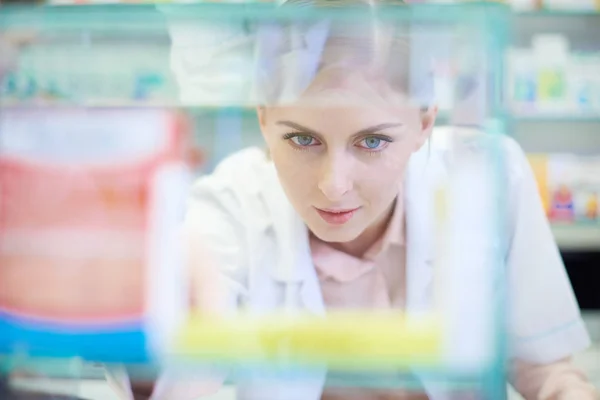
<point x="109" y="111"/>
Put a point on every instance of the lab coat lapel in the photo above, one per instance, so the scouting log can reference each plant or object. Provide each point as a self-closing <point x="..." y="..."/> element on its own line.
<point x="293" y="284"/>
<point x="420" y="230"/>
<point x="293" y="268"/>
<point x="424" y="174"/>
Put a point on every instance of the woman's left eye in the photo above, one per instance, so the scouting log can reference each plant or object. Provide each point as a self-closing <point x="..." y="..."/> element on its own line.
<point x="304" y="140"/>
<point x="373" y="143"/>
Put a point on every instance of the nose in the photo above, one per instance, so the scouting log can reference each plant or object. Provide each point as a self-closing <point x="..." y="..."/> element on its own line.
<point x="335" y="178"/>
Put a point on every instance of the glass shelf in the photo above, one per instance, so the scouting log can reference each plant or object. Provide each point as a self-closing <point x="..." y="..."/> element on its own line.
<point x="542" y="13"/>
<point x="575" y="118"/>
<point x="125" y="47"/>
<point x="143" y="17"/>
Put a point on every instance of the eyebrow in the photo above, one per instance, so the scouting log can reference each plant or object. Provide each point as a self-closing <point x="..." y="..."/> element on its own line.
<point x="376" y="128"/>
<point x="369" y="131"/>
<point x="298" y="127"/>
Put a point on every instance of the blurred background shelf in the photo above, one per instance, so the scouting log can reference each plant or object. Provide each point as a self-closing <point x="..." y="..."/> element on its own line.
<point x="549" y="136"/>
<point x="554" y="97"/>
<point x="558" y="13"/>
<point x="141" y="17"/>
<point x="577" y="237"/>
<point x="564" y="118"/>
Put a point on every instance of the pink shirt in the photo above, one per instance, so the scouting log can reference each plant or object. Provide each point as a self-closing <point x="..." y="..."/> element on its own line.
<point x="374" y="281"/>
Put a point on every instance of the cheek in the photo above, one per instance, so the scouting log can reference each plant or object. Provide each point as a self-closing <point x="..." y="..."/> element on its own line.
<point x="387" y="178"/>
<point x="296" y="174"/>
<point x="381" y="181"/>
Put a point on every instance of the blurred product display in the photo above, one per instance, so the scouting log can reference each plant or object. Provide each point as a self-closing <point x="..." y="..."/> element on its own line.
<point x="571" y="4"/>
<point x="51" y="74"/>
<point x="569" y="187"/>
<point x="553" y="94"/>
<point x="550" y="80"/>
<point x="111" y="180"/>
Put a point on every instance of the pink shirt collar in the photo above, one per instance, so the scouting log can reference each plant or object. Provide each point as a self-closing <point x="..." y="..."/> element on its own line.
<point x="342" y="267"/>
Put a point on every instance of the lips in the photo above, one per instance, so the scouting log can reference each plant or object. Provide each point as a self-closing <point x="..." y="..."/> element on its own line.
<point x="337" y="216"/>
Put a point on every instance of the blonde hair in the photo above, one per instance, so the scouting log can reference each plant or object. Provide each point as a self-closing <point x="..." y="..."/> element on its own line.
<point x="242" y="63"/>
<point x="373" y="57"/>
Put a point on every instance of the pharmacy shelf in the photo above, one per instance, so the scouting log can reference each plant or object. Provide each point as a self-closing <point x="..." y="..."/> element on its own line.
<point x="55" y="368"/>
<point x="581" y="27"/>
<point x="89" y="389"/>
<point x="577" y="237"/>
<point x="543" y="117"/>
<point x="547" y="135"/>
<point x="140" y="17"/>
<point x="91" y="29"/>
<point x="557" y="12"/>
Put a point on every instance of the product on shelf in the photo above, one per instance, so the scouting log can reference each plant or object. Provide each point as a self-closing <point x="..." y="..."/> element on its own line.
<point x="522" y="80"/>
<point x="562" y="208"/>
<point x="525" y="5"/>
<point x="549" y="79"/>
<point x="569" y="186"/>
<point x="587" y="204"/>
<point x="114" y="74"/>
<point x="551" y="58"/>
<point x="90" y="203"/>
<point x="571" y="4"/>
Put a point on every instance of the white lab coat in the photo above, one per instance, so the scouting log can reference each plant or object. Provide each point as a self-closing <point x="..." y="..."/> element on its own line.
<point x="262" y="247"/>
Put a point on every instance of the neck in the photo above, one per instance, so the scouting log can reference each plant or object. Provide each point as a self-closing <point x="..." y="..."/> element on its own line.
<point x="359" y="246"/>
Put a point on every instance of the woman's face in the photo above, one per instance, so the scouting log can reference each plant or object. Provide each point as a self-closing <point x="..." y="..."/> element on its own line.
<point x="342" y="166"/>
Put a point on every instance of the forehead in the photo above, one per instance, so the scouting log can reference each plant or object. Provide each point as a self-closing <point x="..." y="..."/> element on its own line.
<point x="343" y="102"/>
<point x="341" y="85"/>
<point x="342" y="120"/>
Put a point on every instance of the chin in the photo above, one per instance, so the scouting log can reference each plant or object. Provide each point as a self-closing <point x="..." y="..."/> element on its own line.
<point x="335" y="234"/>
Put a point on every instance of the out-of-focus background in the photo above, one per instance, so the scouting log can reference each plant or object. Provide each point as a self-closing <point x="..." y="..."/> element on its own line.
<point x="558" y="125"/>
<point x="552" y="91"/>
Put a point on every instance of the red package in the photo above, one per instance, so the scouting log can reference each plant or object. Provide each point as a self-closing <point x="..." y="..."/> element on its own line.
<point x="90" y="202"/>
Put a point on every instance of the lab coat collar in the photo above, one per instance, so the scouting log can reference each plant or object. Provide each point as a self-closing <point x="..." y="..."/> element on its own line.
<point x="422" y="175"/>
<point x="288" y="229"/>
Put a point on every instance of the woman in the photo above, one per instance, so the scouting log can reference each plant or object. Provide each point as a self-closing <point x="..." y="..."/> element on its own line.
<point x="333" y="197"/>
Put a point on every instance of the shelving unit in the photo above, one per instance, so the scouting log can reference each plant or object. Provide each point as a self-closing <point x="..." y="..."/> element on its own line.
<point x="89" y="27"/>
<point x="555" y="131"/>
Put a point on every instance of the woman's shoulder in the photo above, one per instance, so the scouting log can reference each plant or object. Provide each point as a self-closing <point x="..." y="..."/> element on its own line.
<point x="242" y="173"/>
<point x="456" y="143"/>
<point x="248" y="161"/>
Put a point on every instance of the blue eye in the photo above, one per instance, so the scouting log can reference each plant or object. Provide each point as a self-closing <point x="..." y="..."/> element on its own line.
<point x="373" y="143"/>
<point x="304" y="140"/>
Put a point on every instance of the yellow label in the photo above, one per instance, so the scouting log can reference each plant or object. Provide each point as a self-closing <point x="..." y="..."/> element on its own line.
<point x="539" y="165"/>
<point x="345" y="340"/>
